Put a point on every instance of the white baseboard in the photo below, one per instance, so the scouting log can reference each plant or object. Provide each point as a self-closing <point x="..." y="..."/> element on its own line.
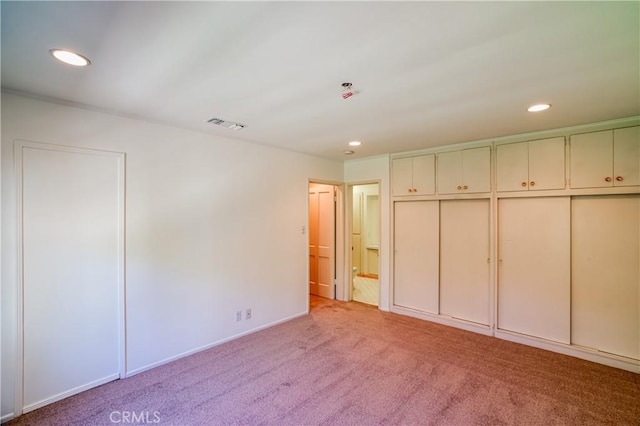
<point x="210" y="345"/>
<point x="587" y="354"/>
<point x="66" y="394"/>
<point x="7" y="417"/>
<point x="444" y="320"/>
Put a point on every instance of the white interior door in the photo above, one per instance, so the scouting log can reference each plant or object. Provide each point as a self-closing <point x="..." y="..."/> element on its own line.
<point x="322" y="240"/>
<point x="534" y="267"/>
<point x="72" y="263"/>
<point x="605" y="299"/>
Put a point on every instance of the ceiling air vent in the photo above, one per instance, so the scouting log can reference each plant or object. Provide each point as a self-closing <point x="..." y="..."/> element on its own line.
<point x="228" y="124"/>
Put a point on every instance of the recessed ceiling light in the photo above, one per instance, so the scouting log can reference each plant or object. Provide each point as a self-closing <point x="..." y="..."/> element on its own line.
<point x="355" y="143"/>
<point x="69" y="57"/>
<point x="538" y="107"/>
<point x="348" y="152"/>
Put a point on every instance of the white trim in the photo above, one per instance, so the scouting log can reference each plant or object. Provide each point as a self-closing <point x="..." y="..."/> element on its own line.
<point x="212" y="345"/>
<point x="19" y="146"/>
<point x="69" y="393"/>
<point x="7" y="417"/>
<point x="581" y="352"/>
<point x="19" y="348"/>
<point x="444" y="320"/>
<point x="522" y="137"/>
<point x="122" y="264"/>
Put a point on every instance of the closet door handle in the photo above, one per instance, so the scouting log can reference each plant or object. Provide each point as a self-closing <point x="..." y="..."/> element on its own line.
<point x="465" y="187"/>
<point x="459" y="187"/>
<point x="619" y="178"/>
<point x="532" y="183"/>
<point x="524" y="184"/>
<point x="607" y="179"/>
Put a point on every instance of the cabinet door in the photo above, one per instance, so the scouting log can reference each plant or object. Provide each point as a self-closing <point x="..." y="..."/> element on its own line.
<point x="546" y="164"/>
<point x="605" y="292"/>
<point x="534" y="267"/>
<point x="450" y="172"/>
<point x="464" y="255"/>
<point x="402" y="171"/>
<point x="592" y="160"/>
<point x="512" y="167"/>
<point x="424" y="175"/>
<point x="476" y="170"/>
<point x="626" y="156"/>
<point x="416" y="266"/>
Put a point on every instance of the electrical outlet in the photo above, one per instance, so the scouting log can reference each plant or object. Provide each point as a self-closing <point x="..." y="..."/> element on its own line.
<point x="248" y="316"/>
<point x="238" y="315"/>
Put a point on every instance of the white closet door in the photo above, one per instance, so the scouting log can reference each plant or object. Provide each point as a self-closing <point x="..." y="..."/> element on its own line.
<point x="606" y="273"/>
<point x="534" y="267"/>
<point x="464" y="255"/>
<point x="72" y="205"/>
<point x="416" y="255"/>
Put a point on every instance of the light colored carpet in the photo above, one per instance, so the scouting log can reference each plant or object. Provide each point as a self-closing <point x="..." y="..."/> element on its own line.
<point x="351" y="364"/>
<point x="366" y="290"/>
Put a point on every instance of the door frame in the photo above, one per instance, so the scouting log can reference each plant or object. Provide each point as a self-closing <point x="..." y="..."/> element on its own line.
<point x="339" y="236"/>
<point x="19" y="146"/>
<point x="348" y="291"/>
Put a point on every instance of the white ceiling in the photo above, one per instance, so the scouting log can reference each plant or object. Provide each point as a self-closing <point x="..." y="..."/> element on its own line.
<point x="427" y="73"/>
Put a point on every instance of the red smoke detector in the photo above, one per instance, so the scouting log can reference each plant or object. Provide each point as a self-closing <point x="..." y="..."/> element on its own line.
<point x="347" y="91"/>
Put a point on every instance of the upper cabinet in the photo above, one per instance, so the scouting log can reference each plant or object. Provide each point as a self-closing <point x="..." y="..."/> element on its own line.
<point x="464" y="171"/>
<point x="529" y="166"/>
<point x="607" y="158"/>
<point x="414" y="175"/>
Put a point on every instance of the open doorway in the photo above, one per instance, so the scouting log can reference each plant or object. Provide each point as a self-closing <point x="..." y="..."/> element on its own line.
<point x="365" y="244"/>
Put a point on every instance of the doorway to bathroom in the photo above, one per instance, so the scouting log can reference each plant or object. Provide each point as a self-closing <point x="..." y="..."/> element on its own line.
<point x="365" y="243"/>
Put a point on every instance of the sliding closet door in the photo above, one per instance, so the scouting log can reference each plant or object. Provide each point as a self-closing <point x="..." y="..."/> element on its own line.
<point x="72" y="263"/>
<point x="605" y="290"/>
<point x="464" y="259"/>
<point x="416" y="255"/>
<point x="534" y="267"/>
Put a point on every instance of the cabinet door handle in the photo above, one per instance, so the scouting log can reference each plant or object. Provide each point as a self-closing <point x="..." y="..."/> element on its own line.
<point x="410" y="190"/>
<point x="459" y="187"/>
<point x="524" y="184"/>
<point x="465" y="187"/>
<point x="619" y="178"/>
<point x="607" y="179"/>
<point x="532" y="183"/>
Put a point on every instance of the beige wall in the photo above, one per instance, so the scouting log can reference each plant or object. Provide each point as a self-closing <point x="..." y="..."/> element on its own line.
<point x="212" y="226"/>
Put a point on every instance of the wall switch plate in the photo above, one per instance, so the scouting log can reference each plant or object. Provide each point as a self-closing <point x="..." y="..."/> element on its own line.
<point x="238" y="315"/>
<point x="248" y="316"/>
